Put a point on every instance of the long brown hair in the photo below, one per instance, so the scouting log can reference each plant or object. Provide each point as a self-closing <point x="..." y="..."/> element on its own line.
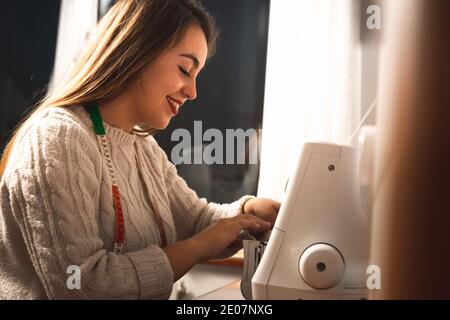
<point x="128" y="38"/>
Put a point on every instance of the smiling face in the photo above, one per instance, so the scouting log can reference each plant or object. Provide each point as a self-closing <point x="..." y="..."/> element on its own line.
<point x="170" y="80"/>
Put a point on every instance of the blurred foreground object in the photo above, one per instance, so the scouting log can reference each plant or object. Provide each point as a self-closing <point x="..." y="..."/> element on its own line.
<point x="411" y="217"/>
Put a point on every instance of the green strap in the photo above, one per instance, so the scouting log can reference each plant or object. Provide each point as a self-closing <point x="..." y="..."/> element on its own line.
<point x="96" y="118"/>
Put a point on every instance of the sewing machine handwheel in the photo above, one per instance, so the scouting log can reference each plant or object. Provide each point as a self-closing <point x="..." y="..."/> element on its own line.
<point x="321" y="266"/>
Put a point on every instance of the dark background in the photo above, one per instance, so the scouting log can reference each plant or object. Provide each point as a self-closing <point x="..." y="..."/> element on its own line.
<point x="230" y="89"/>
<point x="28" y="31"/>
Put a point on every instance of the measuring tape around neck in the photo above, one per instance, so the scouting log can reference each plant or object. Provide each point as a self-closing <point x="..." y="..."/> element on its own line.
<point x="94" y="112"/>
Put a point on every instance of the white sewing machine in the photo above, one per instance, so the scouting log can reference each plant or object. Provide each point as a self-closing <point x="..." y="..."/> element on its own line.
<point x="319" y="246"/>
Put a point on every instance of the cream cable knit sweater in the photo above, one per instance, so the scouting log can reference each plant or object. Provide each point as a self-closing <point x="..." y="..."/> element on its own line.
<point x="57" y="211"/>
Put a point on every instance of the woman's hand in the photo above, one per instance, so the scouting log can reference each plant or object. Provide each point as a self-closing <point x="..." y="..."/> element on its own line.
<point x="217" y="237"/>
<point x="209" y="243"/>
<point x="265" y="209"/>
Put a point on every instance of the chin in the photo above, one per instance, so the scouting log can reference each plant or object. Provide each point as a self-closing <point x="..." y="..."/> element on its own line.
<point x="161" y="125"/>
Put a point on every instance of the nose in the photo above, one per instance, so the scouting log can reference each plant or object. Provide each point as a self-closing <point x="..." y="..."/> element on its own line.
<point x="190" y="90"/>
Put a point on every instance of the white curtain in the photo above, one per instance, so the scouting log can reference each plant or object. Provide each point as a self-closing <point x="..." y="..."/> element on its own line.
<point x="78" y="19"/>
<point x="313" y="88"/>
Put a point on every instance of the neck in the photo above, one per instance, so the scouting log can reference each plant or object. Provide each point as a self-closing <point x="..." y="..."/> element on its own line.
<point x="115" y="113"/>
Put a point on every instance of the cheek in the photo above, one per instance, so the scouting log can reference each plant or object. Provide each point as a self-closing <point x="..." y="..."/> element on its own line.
<point x="157" y="89"/>
<point x="151" y="102"/>
<point x="161" y="81"/>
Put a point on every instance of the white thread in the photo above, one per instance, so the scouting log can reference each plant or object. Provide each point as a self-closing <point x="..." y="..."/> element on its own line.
<point x="363" y="120"/>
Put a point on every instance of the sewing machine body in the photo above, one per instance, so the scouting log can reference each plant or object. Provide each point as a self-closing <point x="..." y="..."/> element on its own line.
<point x="319" y="246"/>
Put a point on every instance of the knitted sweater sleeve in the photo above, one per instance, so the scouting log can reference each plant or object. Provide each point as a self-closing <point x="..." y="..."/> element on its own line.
<point x="192" y="214"/>
<point x="52" y="191"/>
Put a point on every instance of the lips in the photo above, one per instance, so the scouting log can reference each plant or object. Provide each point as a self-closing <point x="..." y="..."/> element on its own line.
<point x="174" y="104"/>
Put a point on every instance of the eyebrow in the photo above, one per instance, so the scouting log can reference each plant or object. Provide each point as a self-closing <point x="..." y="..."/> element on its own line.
<point x="192" y="57"/>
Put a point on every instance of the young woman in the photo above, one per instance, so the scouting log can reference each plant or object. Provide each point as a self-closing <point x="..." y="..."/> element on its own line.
<point x="84" y="185"/>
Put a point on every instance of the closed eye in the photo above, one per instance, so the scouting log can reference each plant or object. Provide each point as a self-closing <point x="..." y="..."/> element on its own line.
<point x="184" y="72"/>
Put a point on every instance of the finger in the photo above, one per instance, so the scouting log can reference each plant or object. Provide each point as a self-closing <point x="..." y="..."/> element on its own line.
<point x="250" y="217"/>
<point x="255" y="218"/>
<point x="255" y="227"/>
<point x="236" y="244"/>
<point x="244" y="224"/>
<point x="269" y="215"/>
<point x="259" y="224"/>
<point x="247" y="224"/>
<point x="276" y="205"/>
